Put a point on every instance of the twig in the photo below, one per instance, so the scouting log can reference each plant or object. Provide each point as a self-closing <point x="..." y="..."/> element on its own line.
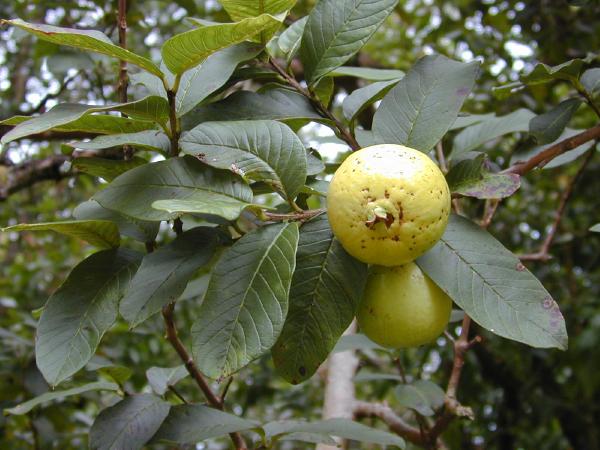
<point x="226" y="389"/>
<point x="391" y="419"/>
<point x="123" y="77"/>
<point x="491" y="205"/>
<point x="51" y="95"/>
<point x="552" y="152"/>
<point x="542" y="254"/>
<point x="211" y="397"/>
<point x="441" y="158"/>
<point x="177" y="394"/>
<point x="178" y="226"/>
<point x="297" y="215"/>
<point x="173" y="122"/>
<point x="343" y="132"/>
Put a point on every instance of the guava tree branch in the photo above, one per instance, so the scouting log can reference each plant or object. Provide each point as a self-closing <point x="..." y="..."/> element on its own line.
<point x="394" y="422"/>
<point x="542" y="254"/>
<point x="544" y="157"/>
<point x="212" y="398"/>
<point x="343" y="132"/>
<point x="123" y="77"/>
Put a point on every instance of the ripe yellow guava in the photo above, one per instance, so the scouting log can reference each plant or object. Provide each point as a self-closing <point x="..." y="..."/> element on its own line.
<point x="402" y="307"/>
<point x="388" y="204"/>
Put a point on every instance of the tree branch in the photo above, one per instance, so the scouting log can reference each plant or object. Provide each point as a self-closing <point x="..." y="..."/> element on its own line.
<point x="23" y="175"/>
<point x="123" y="77"/>
<point x="391" y="419"/>
<point x="544" y="157"/>
<point x="542" y="254"/>
<point x="211" y="397"/>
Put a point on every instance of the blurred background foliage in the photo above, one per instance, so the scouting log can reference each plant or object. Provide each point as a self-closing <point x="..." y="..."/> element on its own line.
<point x="522" y="398"/>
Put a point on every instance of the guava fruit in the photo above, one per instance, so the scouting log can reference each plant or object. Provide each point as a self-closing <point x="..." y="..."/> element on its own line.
<point x="388" y="204"/>
<point x="401" y="307"/>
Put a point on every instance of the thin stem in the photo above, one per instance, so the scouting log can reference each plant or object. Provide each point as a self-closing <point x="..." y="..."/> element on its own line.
<point x="298" y="215"/>
<point x="123" y="77"/>
<point x="542" y="254"/>
<point x="343" y="132"/>
<point x="441" y="158"/>
<point x="211" y="397"/>
<point x="177" y="226"/>
<point x="178" y="394"/>
<point x="174" y="122"/>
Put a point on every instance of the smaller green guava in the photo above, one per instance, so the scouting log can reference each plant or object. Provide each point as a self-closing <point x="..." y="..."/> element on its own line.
<point x="401" y="307"/>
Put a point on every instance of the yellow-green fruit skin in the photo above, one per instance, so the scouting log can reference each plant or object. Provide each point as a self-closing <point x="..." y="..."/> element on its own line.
<point x="402" y="307"/>
<point x="404" y="182"/>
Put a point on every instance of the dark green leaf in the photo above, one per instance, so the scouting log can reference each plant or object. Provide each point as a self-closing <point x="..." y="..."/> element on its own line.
<point x="362" y="98"/>
<point x="370" y="376"/>
<point x="423" y="396"/>
<point x="109" y="169"/>
<point x="591" y="81"/>
<point x="160" y="378"/>
<point x="549" y="126"/>
<point x="325" y="291"/>
<point x="164" y="273"/>
<point x="355" y="342"/>
<point x="336" y="30"/>
<point x="367" y="73"/>
<point x="472" y="119"/>
<point x="289" y="41"/>
<point x="247" y="300"/>
<point x="189" y="424"/>
<point x="182" y="184"/>
<point x="314" y="162"/>
<point x="101" y="233"/>
<point x="471" y="178"/>
<point x="239" y="10"/>
<point x="129" y="424"/>
<point x="261" y="150"/>
<point x="420" y="109"/>
<point x="78" y="314"/>
<point x="27" y="406"/>
<point x="493" y="287"/>
<point x="149" y="139"/>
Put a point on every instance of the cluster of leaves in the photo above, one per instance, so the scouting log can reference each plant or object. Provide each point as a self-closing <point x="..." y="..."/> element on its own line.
<point x="279" y="281"/>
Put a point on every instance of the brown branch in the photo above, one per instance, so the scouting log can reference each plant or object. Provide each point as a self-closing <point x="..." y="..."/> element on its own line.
<point x="343" y="132"/>
<point x="41" y="106"/>
<point x="301" y="216"/>
<point x="211" y="397"/>
<point x="21" y="176"/>
<point x="123" y="77"/>
<point x="391" y="419"/>
<point x="542" y="254"/>
<point x="544" y="157"/>
<point x="174" y="132"/>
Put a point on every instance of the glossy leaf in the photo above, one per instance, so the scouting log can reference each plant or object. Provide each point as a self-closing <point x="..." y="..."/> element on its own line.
<point x="25" y="407"/>
<point x="81" y="310"/>
<point x="138" y="192"/>
<point x="186" y="50"/>
<point x="239" y="10"/>
<point x="189" y="424"/>
<point x="423" y="396"/>
<point x="91" y="40"/>
<point x="367" y="73"/>
<point x="136" y="229"/>
<point x="476" y="135"/>
<point x="160" y="378"/>
<point x="149" y="108"/>
<point x="326" y="288"/>
<point x="355" y="342"/>
<point x="101" y="233"/>
<point x="164" y="274"/>
<point x="493" y="287"/>
<point x="149" y="140"/>
<point x="421" y="108"/>
<point x="247" y="300"/>
<point x="472" y="178"/>
<point x="590" y="79"/>
<point x="343" y="428"/>
<point x="109" y="169"/>
<point x="128" y="424"/>
<point x="96" y="123"/>
<point x="549" y="126"/>
<point x="260" y="150"/>
<point x="336" y="30"/>
<point x="290" y="39"/>
<point x="362" y="98"/>
<point x="314" y="162"/>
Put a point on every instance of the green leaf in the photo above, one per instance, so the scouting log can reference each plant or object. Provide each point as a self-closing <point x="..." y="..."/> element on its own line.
<point x="189" y="424"/>
<point x="201" y="81"/>
<point x="368" y="73"/>
<point x="362" y="98"/>
<point x="161" y="378"/>
<point x="164" y="274"/>
<point x="129" y="424"/>
<point x="109" y="169"/>
<point x="549" y="126"/>
<point x="149" y="140"/>
<point x="260" y="150"/>
<point x="471" y="178"/>
<point x="101" y="233"/>
<point x="78" y="314"/>
<point x="100" y="124"/>
<point x="314" y="162"/>
<point x="336" y="30"/>
<point x="119" y="374"/>
<point x="343" y="428"/>
<point x="183" y="181"/>
<point x="476" y="135"/>
<point x="595" y="228"/>
<point x="290" y="39"/>
<point x="323" y="89"/>
<point x="423" y="396"/>
<point x="273" y="104"/>
<point x="150" y="108"/>
<point x="186" y="50"/>
<point x="326" y="288"/>
<point x="355" y="342"/>
<point x="543" y="73"/>
<point x="136" y="229"/>
<point x="27" y="406"/>
<point x="247" y="300"/>
<point x="420" y="109"/>
<point x="493" y="287"/>
<point x="312" y="438"/>
<point x="591" y="81"/>
<point x="471" y="119"/>
<point x="85" y="40"/>
<point x="238" y="10"/>
<point x="363" y="376"/>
